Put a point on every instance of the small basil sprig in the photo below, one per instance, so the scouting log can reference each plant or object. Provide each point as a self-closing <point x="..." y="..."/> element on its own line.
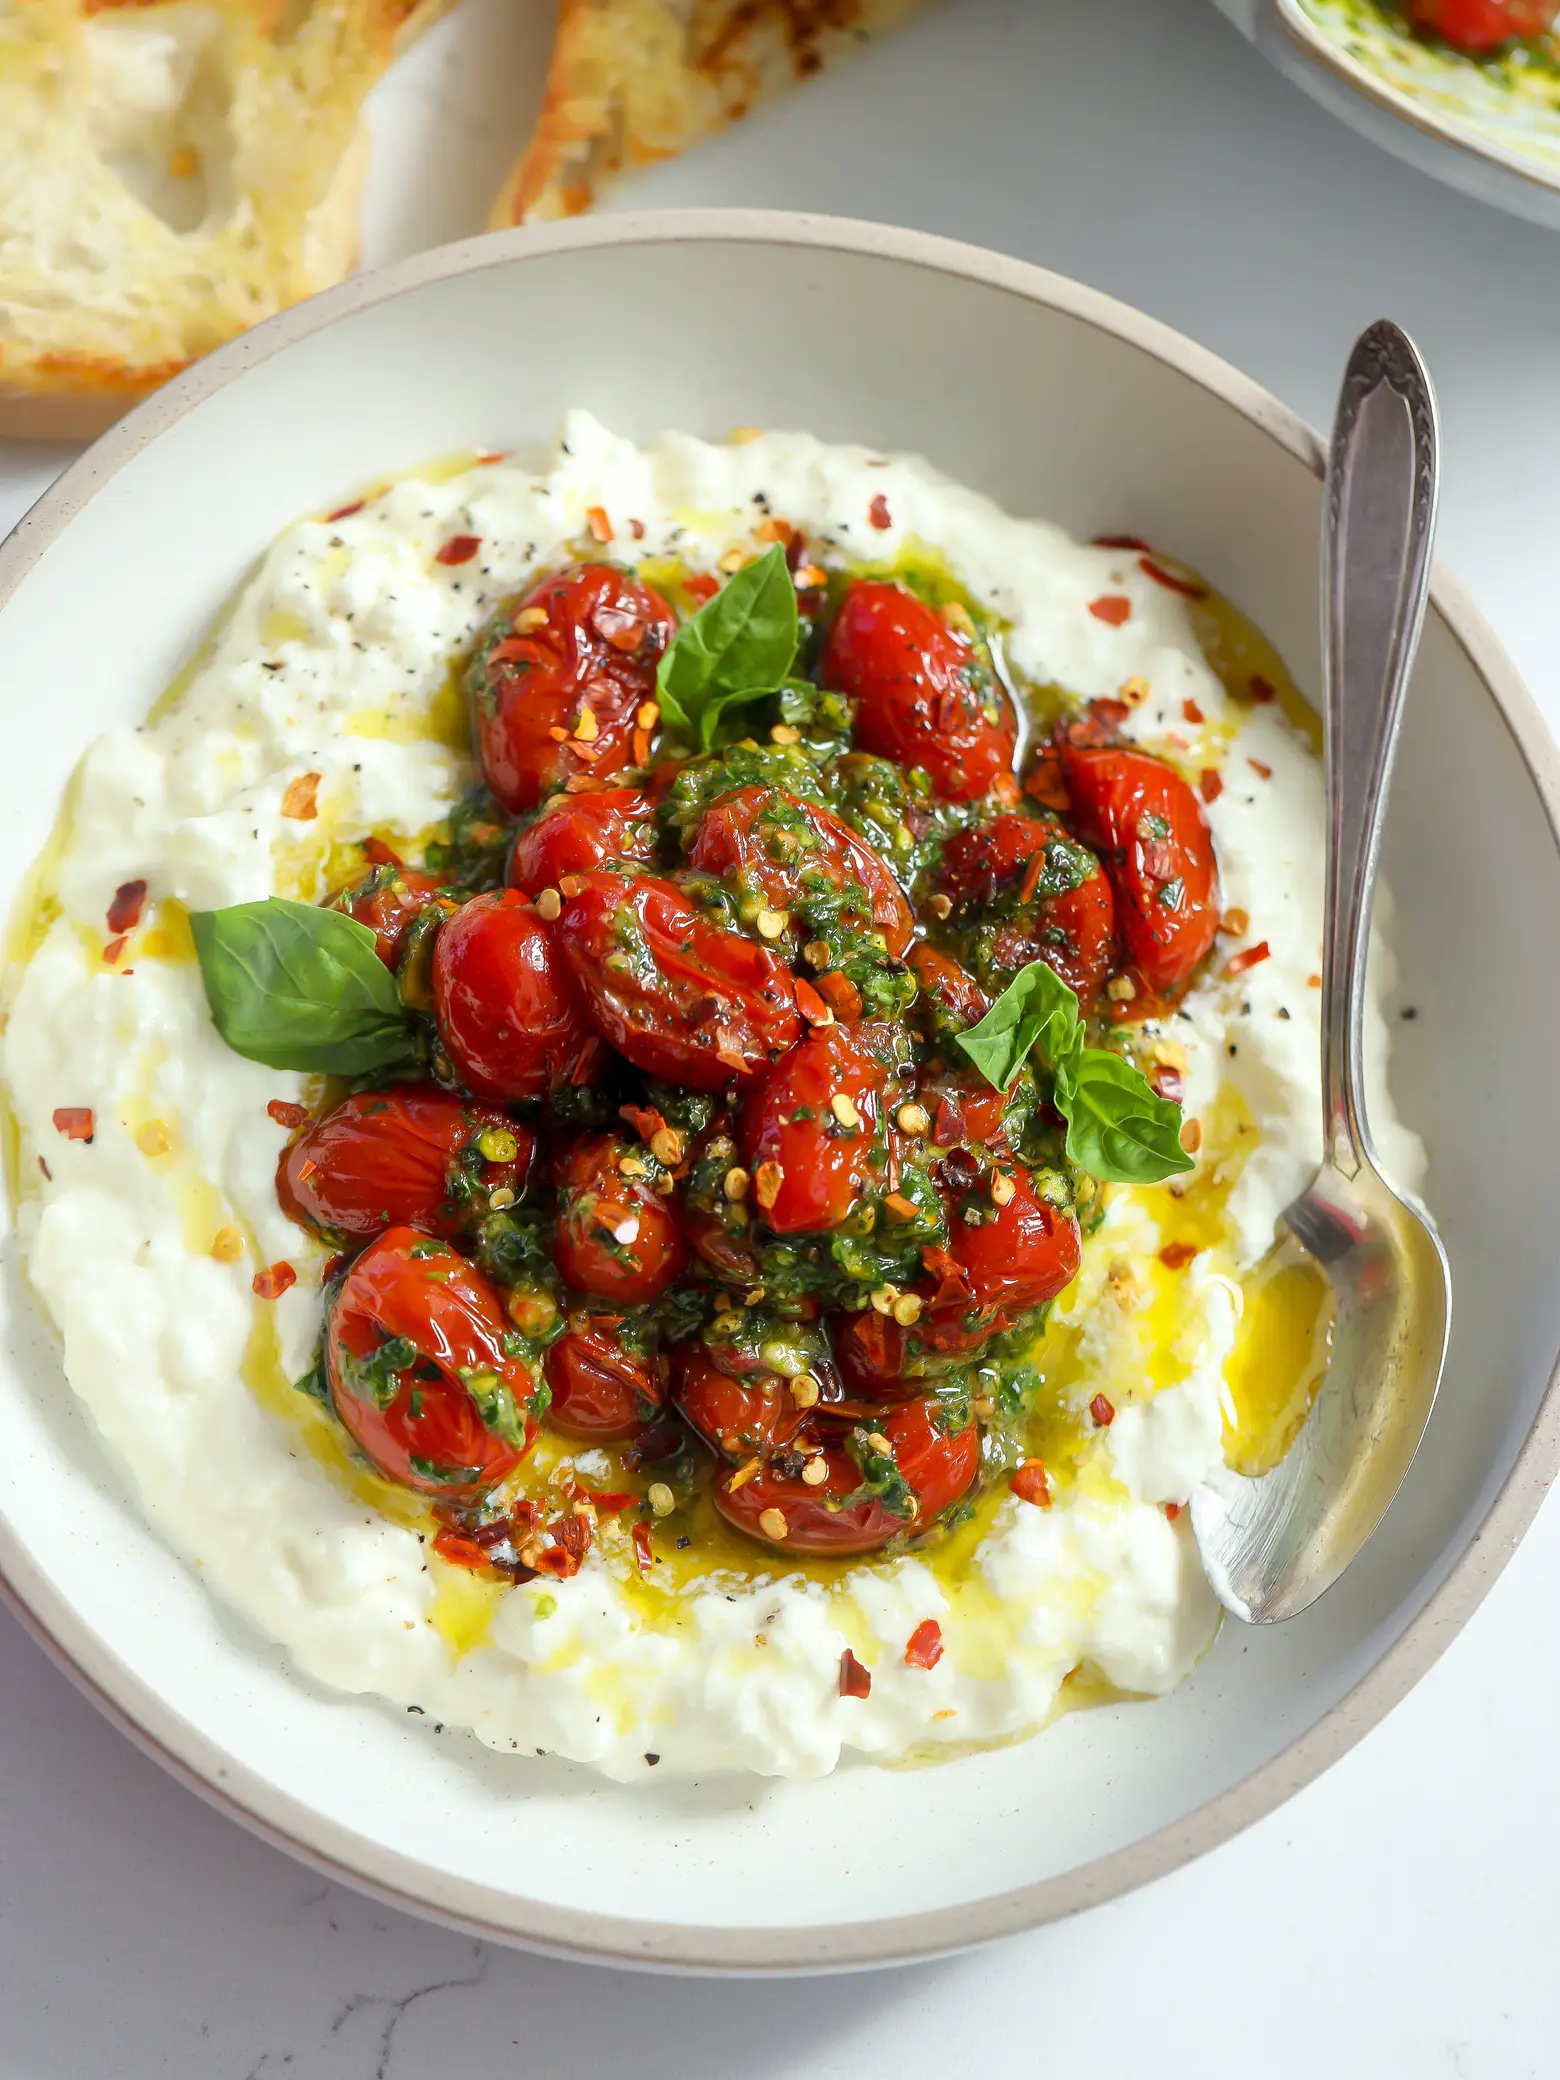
<point x="739" y="647"/>
<point x="298" y="987"/>
<point x="1118" y="1128"/>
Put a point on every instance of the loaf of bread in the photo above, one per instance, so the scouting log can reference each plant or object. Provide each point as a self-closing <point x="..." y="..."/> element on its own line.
<point x="170" y="174"/>
<point x="636" y="81"/>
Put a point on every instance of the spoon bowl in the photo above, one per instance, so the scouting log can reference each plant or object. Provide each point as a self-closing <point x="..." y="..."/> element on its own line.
<point x="1272" y="1545"/>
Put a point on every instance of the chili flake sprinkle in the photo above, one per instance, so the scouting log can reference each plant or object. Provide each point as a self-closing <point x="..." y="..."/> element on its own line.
<point x="124" y="912"/>
<point x="1102" y="1412"/>
<point x="460" y="548"/>
<point x="286" y="1113"/>
<point x="855" y="1678"/>
<point x="879" y="514"/>
<point x="75" y="1122"/>
<point x="1113" y="608"/>
<point x="1210" y="783"/>
<point x="924" y="1647"/>
<point x="1249" y="957"/>
<point x="1175" y="1256"/>
<point x="271" y="1283"/>
<point x="1031" y="1483"/>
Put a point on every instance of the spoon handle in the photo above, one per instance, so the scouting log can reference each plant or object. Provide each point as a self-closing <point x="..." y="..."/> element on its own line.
<point x="1380" y="518"/>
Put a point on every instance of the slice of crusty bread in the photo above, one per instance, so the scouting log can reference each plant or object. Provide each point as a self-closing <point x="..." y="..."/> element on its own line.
<point x="170" y="174"/>
<point x="635" y="81"/>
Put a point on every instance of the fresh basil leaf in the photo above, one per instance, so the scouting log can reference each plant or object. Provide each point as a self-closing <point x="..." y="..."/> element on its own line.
<point x="739" y="647"/>
<point x="298" y="987"/>
<point x="1118" y="1128"/>
<point x="1036" y="1010"/>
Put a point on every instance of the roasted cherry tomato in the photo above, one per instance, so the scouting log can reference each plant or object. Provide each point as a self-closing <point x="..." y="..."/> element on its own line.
<point x="1023" y="1253"/>
<point x="389" y="900"/>
<point x="923" y="694"/>
<point x="779" y="850"/>
<point x="559" y="691"/>
<point x="601" y="1390"/>
<point x="411" y="1156"/>
<point x="840" y="1515"/>
<point x="735" y="1417"/>
<point x="509" y="1015"/>
<point x="1032" y="893"/>
<point x="1148" y="827"/>
<point x="952" y="997"/>
<point x="579" y="832"/>
<point x="882" y="1360"/>
<point x="678" y="996"/>
<point x="1481" y="26"/>
<point x="614" y="1237"/>
<point x="417" y="1356"/>
<point x="814" y="1118"/>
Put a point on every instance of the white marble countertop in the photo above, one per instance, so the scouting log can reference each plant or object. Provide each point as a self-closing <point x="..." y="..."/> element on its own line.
<point x="1398" y="1918"/>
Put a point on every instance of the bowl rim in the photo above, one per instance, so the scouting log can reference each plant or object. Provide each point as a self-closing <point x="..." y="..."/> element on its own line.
<point x="344" y="1853"/>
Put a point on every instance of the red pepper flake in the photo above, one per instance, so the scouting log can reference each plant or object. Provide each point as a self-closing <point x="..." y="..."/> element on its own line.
<point x="924" y="1648"/>
<point x="271" y="1284"/>
<point x="1192" y="712"/>
<point x="115" y="948"/>
<point x="840" y="994"/>
<point x="1174" y="1509"/>
<point x="600" y="525"/>
<point x="346" y="512"/>
<point x="811" y="1005"/>
<point x="48" y="1173"/>
<point x="644" y="1119"/>
<point x="1031" y="1483"/>
<point x="950" y="1129"/>
<point x="878" y="512"/>
<point x="644" y="1558"/>
<point x="1187" y="587"/>
<point x="607" y="1502"/>
<point x="1032" y="877"/>
<point x="459" y="1551"/>
<point x="855" y="1680"/>
<point x="1210" y="784"/>
<point x="1238" y="963"/>
<point x="1261" y="691"/>
<point x="124" y="912"/>
<point x="460" y="548"/>
<point x="702" y="585"/>
<point x="378" y="853"/>
<point x="1168" y="1082"/>
<point x="1175" y="1256"/>
<point x="1113" y="608"/>
<point x="1120" y="541"/>
<point x="637" y="529"/>
<point x="902" y="1208"/>
<point x="286" y="1114"/>
<point x="1263" y="772"/>
<point x="1102" y="1411"/>
<point x="74" y="1122"/>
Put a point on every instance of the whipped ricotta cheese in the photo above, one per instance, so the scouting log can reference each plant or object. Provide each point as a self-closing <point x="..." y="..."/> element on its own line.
<point x="323" y="710"/>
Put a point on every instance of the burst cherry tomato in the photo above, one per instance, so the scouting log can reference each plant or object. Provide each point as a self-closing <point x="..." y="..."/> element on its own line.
<point x="1035" y="895"/>
<point x="579" y="832"/>
<point x="408" y="1156"/>
<point x="419" y="1372"/>
<point x="814" y="1116"/>
<point x="1148" y="827"/>
<point x="1022" y="1254"/>
<point x="1481" y="26"/>
<point x="614" y="1237"/>
<point x="389" y="900"/>
<point x="952" y="996"/>
<point x="780" y="849"/>
<point x="680" y="997"/>
<point x="884" y="1361"/>
<point x="735" y="1417"/>
<point x="838" y="1515"/>
<point x="509" y="1015"/>
<point x="924" y="696"/>
<point x="601" y="1390"/>
<point x="593" y="654"/>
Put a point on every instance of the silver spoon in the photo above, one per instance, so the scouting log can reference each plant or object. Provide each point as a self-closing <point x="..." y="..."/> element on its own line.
<point x="1272" y="1545"/>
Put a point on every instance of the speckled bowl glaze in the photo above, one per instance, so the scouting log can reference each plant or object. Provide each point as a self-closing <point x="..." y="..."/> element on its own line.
<point x="1057" y="402"/>
<point x="1489" y="130"/>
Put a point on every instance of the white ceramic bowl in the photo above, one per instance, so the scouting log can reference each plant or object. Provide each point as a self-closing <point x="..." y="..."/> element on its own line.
<point x="1445" y="114"/>
<point x="1057" y="402"/>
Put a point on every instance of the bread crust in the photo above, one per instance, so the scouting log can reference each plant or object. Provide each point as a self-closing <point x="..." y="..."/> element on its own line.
<point x="632" y="82"/>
